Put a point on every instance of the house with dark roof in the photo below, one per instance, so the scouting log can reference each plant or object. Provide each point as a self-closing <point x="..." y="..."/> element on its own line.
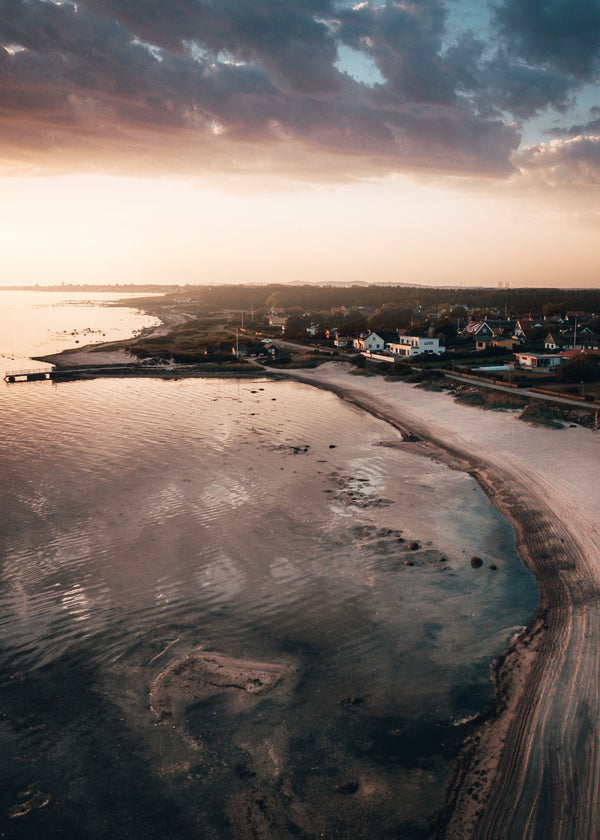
<point x="369" y="342"/>
<point x="484" y="329"/>
<point x="557" y="340"/>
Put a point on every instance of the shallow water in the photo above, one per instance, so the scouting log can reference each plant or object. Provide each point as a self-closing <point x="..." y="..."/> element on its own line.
<point x="260" y="520"/>
<point x="41" y="323"/>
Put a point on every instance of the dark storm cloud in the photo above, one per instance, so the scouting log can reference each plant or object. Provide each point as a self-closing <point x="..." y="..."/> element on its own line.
<point x="564" y="33"/>
<point x="404" y="41"/>
<point x="220" y="83"/>
<point x="497" y="83"/>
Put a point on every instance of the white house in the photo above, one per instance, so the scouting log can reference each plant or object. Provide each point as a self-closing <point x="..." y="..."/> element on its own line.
<point x="413" y="345"/>
<point x="539" y="360"/>
<point x="369" y="343"/>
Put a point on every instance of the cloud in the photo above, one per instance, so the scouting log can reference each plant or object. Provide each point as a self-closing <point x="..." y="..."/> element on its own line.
<point x="405" y="41"/>
<point x="561" y="163"/>
<point x="212" y="85"/>
<point x="590" y="127"/>
<point x="498" y="83"/>
<point x="563" y="33"/>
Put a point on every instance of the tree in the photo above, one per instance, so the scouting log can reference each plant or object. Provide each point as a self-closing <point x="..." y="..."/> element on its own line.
<point x="549" y="309"/>
<point x="446" y="329"/>
<point x="581" y="368"/>
<point x="296" y="325"/>
<point x="536" y="335"/>
<point x="390" y="317"/>
<point x="355" y="322"/>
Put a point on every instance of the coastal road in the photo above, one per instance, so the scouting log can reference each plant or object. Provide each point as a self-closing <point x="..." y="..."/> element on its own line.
<point x="302" y="348"/>
<point x="525" y="392"/>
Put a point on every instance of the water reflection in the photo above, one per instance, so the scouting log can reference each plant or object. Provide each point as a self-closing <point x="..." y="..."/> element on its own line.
<point x="133" y="535"/>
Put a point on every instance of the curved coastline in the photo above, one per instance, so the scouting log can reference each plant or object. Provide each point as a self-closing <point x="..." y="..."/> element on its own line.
<point x="532" y="768"/>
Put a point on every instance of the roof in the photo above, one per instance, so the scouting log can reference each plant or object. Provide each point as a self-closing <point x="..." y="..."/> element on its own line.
<point x="474" y="327"/>
<point x="569" y="354"/>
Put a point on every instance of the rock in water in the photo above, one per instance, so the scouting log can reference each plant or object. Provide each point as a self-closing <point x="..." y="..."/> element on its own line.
<point x="201" y="676"/>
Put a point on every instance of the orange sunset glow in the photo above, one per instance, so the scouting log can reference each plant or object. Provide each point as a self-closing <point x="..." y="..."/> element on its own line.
<point x="431" y="143"/>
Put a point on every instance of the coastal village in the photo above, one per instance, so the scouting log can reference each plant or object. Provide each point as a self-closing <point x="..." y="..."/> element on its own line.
<point x="525" y="343"/>
<point x="529" y="342"/>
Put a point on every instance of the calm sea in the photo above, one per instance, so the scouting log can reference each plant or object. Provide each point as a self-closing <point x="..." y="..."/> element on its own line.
<point x="260" y="520"/>
<point x="41" y="323"/>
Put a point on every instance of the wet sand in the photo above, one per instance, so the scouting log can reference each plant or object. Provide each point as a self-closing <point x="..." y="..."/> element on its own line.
<point x="532" y="770"/>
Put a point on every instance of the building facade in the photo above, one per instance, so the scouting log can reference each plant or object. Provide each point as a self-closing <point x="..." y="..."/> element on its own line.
<point x="413" y="345"/>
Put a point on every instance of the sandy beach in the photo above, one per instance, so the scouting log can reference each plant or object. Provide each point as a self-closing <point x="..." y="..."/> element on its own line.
<point x="532" y="770"/>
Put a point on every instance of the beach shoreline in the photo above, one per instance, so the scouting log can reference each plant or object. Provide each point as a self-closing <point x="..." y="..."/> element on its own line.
<point x="115" y="352"/>
<point x="514" y="777"/>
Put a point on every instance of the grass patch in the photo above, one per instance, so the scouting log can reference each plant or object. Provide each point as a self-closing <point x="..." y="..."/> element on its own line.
<point x="470" y="397"/>
<point x="501" y="401"/>
<point x="305" y="361"/>
<point x="429" y="375"/>
<point x="539" y="415"/>
<point x="430" y="386"/>
<point x="488" y="399"/>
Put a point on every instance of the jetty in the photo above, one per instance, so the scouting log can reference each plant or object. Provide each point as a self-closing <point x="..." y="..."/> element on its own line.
<point x="72" y="372"/>
<point x="34" y="375"/>
<point x="175" y="371"/>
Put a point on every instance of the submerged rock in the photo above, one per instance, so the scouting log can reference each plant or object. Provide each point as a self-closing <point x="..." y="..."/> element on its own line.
<point x="346" y="788"/>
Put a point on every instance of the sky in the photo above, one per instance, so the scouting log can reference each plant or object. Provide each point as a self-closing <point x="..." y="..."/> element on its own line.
<point x="272" y="141"/>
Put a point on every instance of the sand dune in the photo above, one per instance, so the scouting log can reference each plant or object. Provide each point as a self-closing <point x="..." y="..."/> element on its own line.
<point x="533" y="769"/>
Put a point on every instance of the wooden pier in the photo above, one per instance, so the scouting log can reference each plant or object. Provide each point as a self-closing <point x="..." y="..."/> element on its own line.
<point x="27" y="375"/>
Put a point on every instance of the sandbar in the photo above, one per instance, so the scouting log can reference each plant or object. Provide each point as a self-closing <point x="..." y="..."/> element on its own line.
<point x="200" y="676"/>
